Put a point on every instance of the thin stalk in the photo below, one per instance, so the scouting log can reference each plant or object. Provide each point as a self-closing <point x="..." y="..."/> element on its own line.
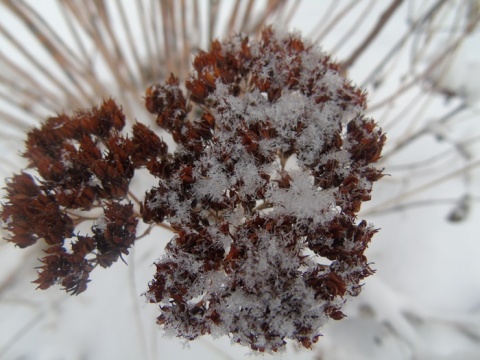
<point x="425" y="130"/>
<point x="419" y="189"/>
<point x="38" y="66"/>
<point x="432" y="160"/>
<point x="335" y="20"/>
<point x="132" y="49"/>
<point x="399" y="45"/>
<point x="362" y="17"/>
<point x="382" y="21"/>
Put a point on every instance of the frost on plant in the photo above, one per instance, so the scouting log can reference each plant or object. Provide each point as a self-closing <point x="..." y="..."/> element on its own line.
<point x="272" y="162"/>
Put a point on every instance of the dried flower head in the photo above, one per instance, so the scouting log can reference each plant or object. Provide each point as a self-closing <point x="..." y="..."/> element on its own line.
<point x="82" y="163"/>
<point x="262" y="191"/>
<point x="272" y="162"/>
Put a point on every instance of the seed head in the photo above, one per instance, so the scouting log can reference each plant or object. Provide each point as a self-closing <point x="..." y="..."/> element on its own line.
<point x="273" y="160"/>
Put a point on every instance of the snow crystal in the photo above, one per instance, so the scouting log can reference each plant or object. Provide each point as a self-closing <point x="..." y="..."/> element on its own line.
<point x="215" y="182"/>
<point x="101" y="224"/>
<point x="302" y="200"/>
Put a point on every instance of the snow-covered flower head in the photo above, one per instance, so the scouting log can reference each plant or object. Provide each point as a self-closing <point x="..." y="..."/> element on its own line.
<point x="272" y="163"/>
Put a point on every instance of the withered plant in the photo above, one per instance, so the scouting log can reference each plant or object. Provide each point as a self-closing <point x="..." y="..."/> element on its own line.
<point x="70" y="55"/>
<point x="272" y="162"/>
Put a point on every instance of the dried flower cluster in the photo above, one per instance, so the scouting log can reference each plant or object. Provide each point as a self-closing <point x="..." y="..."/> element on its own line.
<point x="272" y="162"/>
<point x="83" y="163"/>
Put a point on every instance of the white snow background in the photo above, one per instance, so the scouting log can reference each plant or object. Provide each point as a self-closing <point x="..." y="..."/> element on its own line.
<point x="424" y="300"/>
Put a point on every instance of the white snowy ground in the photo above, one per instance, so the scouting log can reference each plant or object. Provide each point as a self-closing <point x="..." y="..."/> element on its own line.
<point x="423" y="302"/>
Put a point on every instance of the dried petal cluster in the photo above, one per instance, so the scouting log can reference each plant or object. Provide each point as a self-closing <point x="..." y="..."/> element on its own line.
<point x="272" y="162"/>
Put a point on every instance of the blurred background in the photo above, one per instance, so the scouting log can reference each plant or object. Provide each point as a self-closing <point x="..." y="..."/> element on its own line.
<point x="419" y="61"/>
